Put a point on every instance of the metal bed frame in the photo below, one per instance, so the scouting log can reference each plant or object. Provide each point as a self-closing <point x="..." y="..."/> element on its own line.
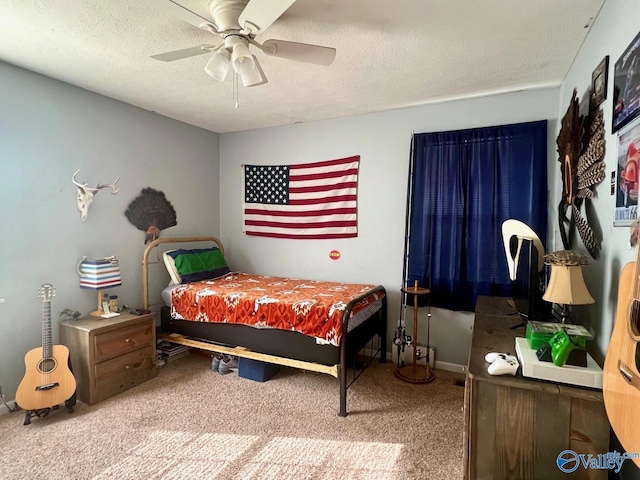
<point x="351" y="343"/>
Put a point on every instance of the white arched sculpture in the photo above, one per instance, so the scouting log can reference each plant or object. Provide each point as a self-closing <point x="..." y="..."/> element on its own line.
<point x="521" y="231"/>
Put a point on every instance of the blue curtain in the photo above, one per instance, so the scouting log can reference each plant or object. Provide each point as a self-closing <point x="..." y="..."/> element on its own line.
<point x="465" y="184"/>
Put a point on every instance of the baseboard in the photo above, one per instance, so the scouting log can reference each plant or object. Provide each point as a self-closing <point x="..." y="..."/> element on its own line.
<point x="448" y="366"/>
<point x="451" y="367"/>
<point x="3" y="408"/>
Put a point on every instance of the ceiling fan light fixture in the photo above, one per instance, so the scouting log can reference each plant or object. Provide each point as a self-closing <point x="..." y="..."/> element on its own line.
<point x="251" y="79"/>
<point x="218" y="66"/>
<point x="255" y="77"/>
<point x="242" y="60"/>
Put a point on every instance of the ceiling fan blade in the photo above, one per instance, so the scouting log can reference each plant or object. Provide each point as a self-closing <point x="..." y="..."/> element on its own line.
<point x="301" y="52"/>
<point x="183" y="13"/>
<point x="184" y="53"/>
<point x="258" y="15"/>
<point x="256" y="77"/>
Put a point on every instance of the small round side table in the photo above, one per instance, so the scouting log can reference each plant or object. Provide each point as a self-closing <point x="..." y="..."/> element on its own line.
<point x="415" y="373"/>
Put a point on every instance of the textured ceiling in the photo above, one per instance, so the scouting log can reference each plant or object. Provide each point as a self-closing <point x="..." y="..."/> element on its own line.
<point x="389" y="54"/>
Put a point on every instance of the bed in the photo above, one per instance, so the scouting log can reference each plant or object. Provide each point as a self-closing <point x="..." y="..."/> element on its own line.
<point x="328" y="327"/>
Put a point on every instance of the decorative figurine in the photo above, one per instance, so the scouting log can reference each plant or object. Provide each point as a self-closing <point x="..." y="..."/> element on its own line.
<point x="74" y="314"/>
<point x="86" y="194"/>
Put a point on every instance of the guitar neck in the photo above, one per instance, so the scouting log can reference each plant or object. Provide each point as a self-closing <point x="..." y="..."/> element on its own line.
<point x="46" y="292"/>
<point x="46" y="329"/>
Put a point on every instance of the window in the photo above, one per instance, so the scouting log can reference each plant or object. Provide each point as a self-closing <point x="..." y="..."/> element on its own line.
<point x="463" y="185"/>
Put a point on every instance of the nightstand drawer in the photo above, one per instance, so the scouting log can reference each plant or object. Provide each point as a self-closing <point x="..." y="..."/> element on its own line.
<point x="123" y="372"/>
<point x="123" y="340"/>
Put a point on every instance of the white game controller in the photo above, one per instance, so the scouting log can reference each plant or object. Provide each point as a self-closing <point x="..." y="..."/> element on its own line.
<point x="501" y="363"/>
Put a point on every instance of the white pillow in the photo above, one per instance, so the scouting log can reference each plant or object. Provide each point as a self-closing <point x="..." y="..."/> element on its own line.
<point x="171" y="267"/>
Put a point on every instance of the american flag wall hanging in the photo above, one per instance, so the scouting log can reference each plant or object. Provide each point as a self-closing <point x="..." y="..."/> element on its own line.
<point x="304" y="201"/>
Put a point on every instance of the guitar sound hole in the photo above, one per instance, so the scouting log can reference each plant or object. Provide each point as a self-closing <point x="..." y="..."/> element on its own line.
<point x="634" y="319"/>
<point x="47" y="365"/>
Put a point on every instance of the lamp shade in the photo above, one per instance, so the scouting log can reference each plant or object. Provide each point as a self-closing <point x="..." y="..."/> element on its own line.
<point x="242" y="60"/>
<point x="99" y="274"/>
<point x="218" y="66"/>
<point x="255" y="77"/>
<point x="567" y="287"/>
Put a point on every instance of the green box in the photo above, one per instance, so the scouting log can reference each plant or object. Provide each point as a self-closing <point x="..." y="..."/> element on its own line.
<point x="539" y="333"/>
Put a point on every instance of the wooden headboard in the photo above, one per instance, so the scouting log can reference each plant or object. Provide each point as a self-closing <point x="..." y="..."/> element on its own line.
<point x="160" y="241"/>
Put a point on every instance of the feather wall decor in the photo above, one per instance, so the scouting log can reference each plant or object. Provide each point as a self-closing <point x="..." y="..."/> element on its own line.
<point x="569" y="142"/>
<point x="151" y="212"/>
<point x="581" y="149"/>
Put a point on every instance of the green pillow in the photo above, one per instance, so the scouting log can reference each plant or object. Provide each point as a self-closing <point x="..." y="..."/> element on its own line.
<point x="196" y="265"/>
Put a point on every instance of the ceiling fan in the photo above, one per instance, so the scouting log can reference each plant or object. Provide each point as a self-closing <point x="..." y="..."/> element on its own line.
<point x="236" y="23"/>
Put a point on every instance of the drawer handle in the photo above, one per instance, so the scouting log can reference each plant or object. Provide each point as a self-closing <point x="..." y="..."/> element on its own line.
<point x="127" y="340"/>
<point x="128" y="367"/>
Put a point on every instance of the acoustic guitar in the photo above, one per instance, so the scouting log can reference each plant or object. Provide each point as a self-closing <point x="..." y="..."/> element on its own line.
<point x="621" y="374"/>
<point x="48" y="381"/>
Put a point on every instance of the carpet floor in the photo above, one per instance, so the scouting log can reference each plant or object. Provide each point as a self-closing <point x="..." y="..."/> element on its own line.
<point x="190" y="422"/>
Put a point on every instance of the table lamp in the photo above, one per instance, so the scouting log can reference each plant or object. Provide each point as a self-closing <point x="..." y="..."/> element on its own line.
<point x="566" y="284"/>
<point x="99" y="275"/>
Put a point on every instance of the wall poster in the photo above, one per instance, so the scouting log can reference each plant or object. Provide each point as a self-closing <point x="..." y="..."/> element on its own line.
<point x="627" y="187"/>
<point x="626" y="86"/>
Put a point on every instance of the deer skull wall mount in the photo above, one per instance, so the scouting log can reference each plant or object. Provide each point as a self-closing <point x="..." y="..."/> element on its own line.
<point x="86" y="194"/>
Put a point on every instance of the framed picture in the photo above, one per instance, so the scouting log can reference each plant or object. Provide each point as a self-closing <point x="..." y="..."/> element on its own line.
<point x="626" y="86"/>
<point x="599" y="79"/>
<point x="627" y="186"/>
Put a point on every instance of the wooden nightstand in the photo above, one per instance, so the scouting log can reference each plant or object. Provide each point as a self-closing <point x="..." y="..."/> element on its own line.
<point x="110" y="355"/>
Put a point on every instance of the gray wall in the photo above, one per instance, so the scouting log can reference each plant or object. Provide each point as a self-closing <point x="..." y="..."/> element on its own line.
<point x="613" y="30"/>
<point x="48" y="130"/>
<point x="383" y="142"/>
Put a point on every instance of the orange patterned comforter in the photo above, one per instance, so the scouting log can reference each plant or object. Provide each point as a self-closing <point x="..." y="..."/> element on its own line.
<point x="310" y="307"/>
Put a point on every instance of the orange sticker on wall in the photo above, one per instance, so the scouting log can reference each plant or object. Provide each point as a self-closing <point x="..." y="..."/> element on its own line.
<point x="334" y="254"/>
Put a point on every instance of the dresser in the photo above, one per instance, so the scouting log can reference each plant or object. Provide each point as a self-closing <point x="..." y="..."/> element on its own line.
<point x="516" y="427"/>
<point x="110" y="355"/>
